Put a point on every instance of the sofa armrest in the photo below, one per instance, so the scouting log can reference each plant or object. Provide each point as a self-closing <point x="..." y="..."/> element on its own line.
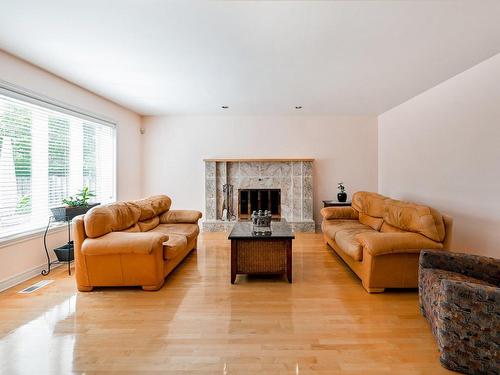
<point x="476" y="266"/>
<point x="344" y="213"/>
<point x="180" y="216"/>
<point x="466" y="294"/>
<point x="124" y="243"/>
<point x="466" y="326"/>
<point x="377" y="243"/>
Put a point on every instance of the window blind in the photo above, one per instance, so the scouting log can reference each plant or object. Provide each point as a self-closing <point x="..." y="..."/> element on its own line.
<point x="47" y="155"/>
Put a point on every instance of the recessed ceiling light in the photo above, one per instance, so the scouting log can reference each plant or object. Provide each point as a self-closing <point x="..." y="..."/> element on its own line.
<point x="298" y="107"/>
<point x="225" y="107"/>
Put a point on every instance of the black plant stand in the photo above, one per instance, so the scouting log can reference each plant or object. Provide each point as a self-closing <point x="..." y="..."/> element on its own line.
<point x="68" y="247"/>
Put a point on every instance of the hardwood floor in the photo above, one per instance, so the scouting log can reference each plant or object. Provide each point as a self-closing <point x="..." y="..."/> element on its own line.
<point x="198" y="323"/>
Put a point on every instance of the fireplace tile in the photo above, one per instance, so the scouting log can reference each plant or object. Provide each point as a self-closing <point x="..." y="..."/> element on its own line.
<point x="307" y="187"/>
<point x="307" y="168"/>
<point x="221" y="171"/>
<point x="259" y="183"/>
<point x="297" y="210"/>
<point x="210" y="209"/>
<point x="249" y="169"/>
<point x="297" y="168"/>
<point x="297" y="188"/>
<point x="286" y="191"/>
<point x="233" y="170"/>
<point x="286" y="212"/>
<point x="219" y="202"/>
<point x="244" y="183"/>
<point x="210" y="169"/>
<point x="272" y="169"/>
<point x="304" y="226"/>
<point x="286" y="169"/>
<point x="210" y="191"/>
<point x="307" y="209"/>
<point x="235" y="181"/>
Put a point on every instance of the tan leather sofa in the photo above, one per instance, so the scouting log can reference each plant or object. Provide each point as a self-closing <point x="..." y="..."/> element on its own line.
<point x="135" y="243"/>
<point x="381" y="238"/>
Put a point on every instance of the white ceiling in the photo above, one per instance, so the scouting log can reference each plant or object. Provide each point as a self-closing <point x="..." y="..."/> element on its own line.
<point x="257" y="57"/>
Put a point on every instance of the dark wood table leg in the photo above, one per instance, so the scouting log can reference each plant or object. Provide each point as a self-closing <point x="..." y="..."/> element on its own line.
<point x="289" y="260"/>
<point x="233" y="261"/>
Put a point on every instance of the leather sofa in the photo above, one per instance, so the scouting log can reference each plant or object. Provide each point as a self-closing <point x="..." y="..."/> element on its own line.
<point x="136" y="243"/>
<point x="460" y="297"/>
<point x="381" y="238"/>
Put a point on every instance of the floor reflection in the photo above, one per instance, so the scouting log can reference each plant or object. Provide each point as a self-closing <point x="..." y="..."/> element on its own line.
<point x="43" y="345"/>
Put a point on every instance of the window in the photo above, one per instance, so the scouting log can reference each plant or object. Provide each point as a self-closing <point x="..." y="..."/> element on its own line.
<point x="48" y="153"/>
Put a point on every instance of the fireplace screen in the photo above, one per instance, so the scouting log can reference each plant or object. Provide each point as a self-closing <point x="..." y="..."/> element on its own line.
<point x="250" y="200"/>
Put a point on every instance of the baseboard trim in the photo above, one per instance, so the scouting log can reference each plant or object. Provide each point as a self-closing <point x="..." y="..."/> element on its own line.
<point x="23" y="276"/>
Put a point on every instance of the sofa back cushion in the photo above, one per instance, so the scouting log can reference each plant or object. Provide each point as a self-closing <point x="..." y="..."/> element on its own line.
<point x="146" y="225"/>
<point x="111" y="217"/>
<point x="371" y="204"/>
<point x="388" y="228"/>
<point x="373" y="222"/>
<point x="152" y="206"/>
<point x="416" y="218"/>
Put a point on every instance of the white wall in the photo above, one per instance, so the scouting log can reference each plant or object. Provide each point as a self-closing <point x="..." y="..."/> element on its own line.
<point x="21" y="258"/>
<point x="345" y="149"/>
<point x="443" y="148"/>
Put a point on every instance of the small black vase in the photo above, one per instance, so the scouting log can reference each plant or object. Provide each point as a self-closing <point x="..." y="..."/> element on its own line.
<point x="341" y="197"/>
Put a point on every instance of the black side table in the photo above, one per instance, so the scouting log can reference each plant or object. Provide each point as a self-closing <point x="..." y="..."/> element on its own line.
<point x="332" y="203"/>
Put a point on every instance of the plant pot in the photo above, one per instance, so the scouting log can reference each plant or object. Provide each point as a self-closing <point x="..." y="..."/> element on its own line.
<point x="65" y="253"/>
<point x="342" y="197"/>
<point x="66" y="213"/>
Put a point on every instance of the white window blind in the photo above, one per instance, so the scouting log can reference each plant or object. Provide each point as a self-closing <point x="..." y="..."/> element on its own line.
<point x="47" y="155"/>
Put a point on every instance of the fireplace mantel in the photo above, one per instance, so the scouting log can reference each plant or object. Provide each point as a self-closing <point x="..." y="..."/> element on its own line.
<point x="265" y="160"/>
<point x="293" y="177"/>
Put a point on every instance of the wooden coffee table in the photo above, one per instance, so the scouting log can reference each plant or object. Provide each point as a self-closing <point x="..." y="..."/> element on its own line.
<point x="261" y="254"/>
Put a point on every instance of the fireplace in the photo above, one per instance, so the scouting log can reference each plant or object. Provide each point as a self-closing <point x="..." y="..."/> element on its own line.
<point x="236" y="187"/>
<point x="250" y="200"/>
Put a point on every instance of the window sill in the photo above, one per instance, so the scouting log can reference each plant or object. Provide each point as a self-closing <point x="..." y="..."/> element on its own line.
<point x="32" y="234"/>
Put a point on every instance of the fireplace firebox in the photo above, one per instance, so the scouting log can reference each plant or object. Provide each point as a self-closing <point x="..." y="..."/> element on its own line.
<point x="250" y="200"/>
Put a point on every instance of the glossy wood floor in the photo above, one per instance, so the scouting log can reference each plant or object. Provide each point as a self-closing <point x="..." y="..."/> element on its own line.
<point x="198" y="323"/>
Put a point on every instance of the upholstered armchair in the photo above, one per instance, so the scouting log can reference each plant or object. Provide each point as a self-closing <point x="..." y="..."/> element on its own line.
<point x="460" y="297"/>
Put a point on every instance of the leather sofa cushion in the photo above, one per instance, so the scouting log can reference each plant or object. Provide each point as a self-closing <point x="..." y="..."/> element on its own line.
<point x="123" y="243"/>
<point x="373" y="222"/>
<point x="388" y="228"/>
<point x="416" y="218"/>
<point x="111" y="217"/>
<point x="330" y="228"/>
<point x="346" y="239"/>
<point x="369" y="203"/>
<point x="377" y="243"/>
<point x="339" y="213"/>
<point x="174" y="246"/>
<point x="152" y="206"/>
<point x="188" y="230"/>
<point x="133" y="229"/>
<point x="180" y="216"/>
<point x="149" y="224"/>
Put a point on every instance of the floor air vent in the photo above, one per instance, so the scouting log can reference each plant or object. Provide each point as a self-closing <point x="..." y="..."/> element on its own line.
<point x="35" y="287"/>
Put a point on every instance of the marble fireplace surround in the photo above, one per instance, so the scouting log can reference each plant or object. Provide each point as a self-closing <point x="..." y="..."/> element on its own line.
<point x="293" y="176"/>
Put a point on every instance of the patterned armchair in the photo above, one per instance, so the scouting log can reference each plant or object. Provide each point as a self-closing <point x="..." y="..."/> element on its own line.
<point x="460" y="297"/>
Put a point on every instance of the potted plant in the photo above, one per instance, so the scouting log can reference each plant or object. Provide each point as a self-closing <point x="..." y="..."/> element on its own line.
<point x="341" y="195"/>
<point x="74" y="205"/>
